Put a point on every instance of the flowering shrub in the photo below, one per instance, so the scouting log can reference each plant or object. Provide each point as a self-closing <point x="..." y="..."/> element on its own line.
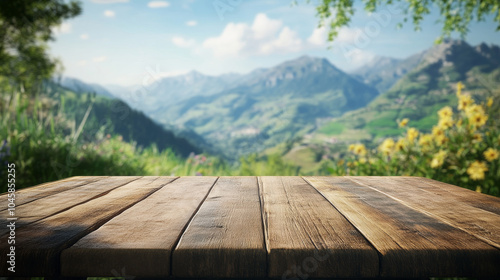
<point x="462" y="149"/>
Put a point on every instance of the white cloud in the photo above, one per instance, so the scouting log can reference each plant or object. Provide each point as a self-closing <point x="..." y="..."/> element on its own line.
<point x="192" y="23"/>
<point x="63" y="28"/>
<point x="109" y="13"/>
<point x="318" y="37"/>
<point x="264" y="27"/>
<point x="348" y="35"/>
<point x="99" y="59"/>
<point x="84" y="36"/>
<point x="109" y="1"/>
<point x="265" y="36"/>
<point x="182" y="42"/>
<point x="82" y="63"/>
<point x="158" y="4"/>
<point x="345" y="35"/>
<point x="357" y="57"/>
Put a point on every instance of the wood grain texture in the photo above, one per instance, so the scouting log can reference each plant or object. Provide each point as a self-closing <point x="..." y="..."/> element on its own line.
<point x="225" y="237"/>
<point x="466" y="196"/>
<point x="454" y="208"/>
<point x="410" y="243"/>
<point x="39" y="245"/>
<point x="38" y="209"/>
<point x="29" y="194"/>
<point x="308" y="237"/>
<point x="139" y="240"/>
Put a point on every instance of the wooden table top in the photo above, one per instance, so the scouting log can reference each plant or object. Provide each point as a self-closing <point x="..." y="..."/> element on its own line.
<point x="252" y="227"/>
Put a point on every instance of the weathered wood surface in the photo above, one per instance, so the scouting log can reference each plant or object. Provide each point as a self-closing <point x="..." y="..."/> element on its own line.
<point x="147" y="232"/>
<point x="58" y="202"/>
<point x="307" y="236"/>
<point x="411" y="243"/>
<point x="225" y="238"/>
<point x="43" y="190"/>
<point x="252" y="227"/>
<point x="40" y="244"/>
<point x="422" y="195"/>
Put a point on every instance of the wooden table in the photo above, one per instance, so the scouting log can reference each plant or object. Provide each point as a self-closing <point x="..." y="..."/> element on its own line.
<point x="252" y="227"/>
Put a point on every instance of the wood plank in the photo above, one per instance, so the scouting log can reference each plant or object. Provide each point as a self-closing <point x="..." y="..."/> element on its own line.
<point x="39" y="244"/>
<point x="410" y="243"/>
<point x="308" y="237"/>
<point x="38" y="209"/>
<point x="26" y="195"/>
<point x="148" y="232"/>
<point x="225" y="238"/>
<point x="456" y="209"/>
<point x="470" y="197"/>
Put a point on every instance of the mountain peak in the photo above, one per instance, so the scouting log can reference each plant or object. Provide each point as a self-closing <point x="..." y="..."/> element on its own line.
<point x="447" y="49"/>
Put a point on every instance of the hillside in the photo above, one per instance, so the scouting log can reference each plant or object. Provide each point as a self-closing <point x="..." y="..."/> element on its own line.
<point x="417" y="95"/>
<point x="113" y="116"/>
<point x="79" y="86"/>
<point x="269" y="106"/>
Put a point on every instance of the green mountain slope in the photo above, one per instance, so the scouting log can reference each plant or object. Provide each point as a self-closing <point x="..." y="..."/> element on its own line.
<point x="421" y="92"/>
<point x="113" y="116"/>
<point x="270" y="106"/>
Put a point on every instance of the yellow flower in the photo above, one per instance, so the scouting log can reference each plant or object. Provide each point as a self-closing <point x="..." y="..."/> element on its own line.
<point x="403" y="122"/>
<point x="491" y="154"/>
<point x="445" y="123"/>
<point x="386" y="146"/>
<point x="351" y="147"/>
<point x="490" y="102"/>
<point x="478" y="120"/>
<point x="445" y="113"/>
<point x="360" y="149"/>
<point x="441" y="140"/>
<point x="460" y="122"/>
<point x="400" y="145"/>
<point x="437" y="131"/>
<point x="478" y="189"/>
<point x="464" y="101"/>
<point x="438" y="159"/>
<point x="362" y="160"/>
<point x="412" y="134"/>
<point x="425" y="140"/>
<point x="460" y="86"/>
<point x="476" y="170"/>
<point x="477" y="137"/>
<point x="473" y="110"/>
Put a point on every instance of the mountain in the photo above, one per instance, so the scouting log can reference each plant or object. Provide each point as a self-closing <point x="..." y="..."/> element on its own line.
<point x="79" y="86"/>
<point x="264" y="107"/>
<point x="422" y="91"/>
<point x="383" y="72"/>
<point x="113" y="116"/>
<point x="168" y="91"/>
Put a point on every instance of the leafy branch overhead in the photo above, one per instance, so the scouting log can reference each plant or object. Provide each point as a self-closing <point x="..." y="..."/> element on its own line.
<point x="25" y="28"/>
<point x="455" y="15"/>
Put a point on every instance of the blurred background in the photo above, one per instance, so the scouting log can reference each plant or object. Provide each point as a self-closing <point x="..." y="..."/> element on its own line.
<point x="232" y="87"/>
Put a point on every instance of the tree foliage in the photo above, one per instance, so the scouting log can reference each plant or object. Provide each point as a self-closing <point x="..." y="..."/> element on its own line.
<point x="455" y="15"/>
<point x="25" y="28"/>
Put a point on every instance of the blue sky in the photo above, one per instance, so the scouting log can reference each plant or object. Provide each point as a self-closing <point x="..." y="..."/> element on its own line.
<point x="131" y="42"/>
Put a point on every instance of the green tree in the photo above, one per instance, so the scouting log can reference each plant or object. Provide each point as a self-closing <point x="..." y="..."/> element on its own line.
<point x="455" y="15"/>
<point x="25" y="28"/>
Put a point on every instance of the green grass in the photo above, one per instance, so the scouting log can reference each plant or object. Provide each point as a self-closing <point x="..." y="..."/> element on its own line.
<point x="332" y="128"/>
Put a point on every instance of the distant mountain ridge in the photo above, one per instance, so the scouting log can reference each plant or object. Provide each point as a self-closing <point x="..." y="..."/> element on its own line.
<point x="427" y="87"/>
<point x="79" y="86"/>
<point x="260" y="109"/>
<point x="249" y="113"/>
